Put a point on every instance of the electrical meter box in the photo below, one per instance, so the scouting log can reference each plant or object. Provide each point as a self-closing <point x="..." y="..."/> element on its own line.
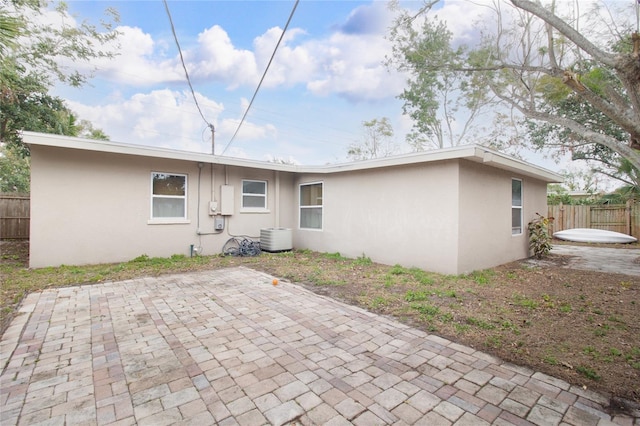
<point x="213" y="207"/>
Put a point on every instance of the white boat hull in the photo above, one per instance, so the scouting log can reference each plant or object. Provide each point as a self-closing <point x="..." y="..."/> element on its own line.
<point x="587" y="235"/>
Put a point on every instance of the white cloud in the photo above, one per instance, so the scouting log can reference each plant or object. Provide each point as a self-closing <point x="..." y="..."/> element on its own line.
<point x="352" y="67"/>
<point x="347" y="63"/>
<point x="166" y="118"/>
<point x="291" y="64"/>
<point x="373" y="18"/>
<point x="139" y="61"/>
<point x="248" y="131"/>
<point x="216" y="57"/>
<point x="464" y="30"/>
<point x="235" y="152"/>
<point x="599" y="16"/>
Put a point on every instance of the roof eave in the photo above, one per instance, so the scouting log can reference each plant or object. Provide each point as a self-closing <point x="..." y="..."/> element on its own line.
<point x="475" y="153"/>
<point x="500" y="161"/>
<point x="34" y="138"/>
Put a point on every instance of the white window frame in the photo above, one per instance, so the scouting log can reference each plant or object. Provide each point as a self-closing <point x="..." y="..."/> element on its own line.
<point x="265" y="196"/>
<point x="514" y="230"/>
<point x="168" y="220"/>
<point x="301" y="207"/>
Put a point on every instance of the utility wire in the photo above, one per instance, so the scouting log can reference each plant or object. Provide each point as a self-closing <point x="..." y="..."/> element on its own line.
<point x="184" y="67"/>
<point x="263" y="76"/>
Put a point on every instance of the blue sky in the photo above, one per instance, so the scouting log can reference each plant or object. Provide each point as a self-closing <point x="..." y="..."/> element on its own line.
<point x="326" y="79"/>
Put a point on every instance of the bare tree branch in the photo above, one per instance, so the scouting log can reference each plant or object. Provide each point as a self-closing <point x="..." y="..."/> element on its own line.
<point x="565" y="29"/>
<point x="586" y="133"/>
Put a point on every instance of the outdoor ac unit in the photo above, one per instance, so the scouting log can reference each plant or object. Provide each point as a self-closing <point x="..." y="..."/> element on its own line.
<point x="276" y="239"/>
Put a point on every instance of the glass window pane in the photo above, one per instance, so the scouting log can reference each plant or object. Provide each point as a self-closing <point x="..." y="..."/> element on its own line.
<point x="311" y="218"/>
<point x="165" y="184"/>
<point x="516" y="220"/>
<point x="311" y="195"/>
<point x="516" y="192"/>
<point x="253" y="201"/>
<point x="305" y="195"/>
<point x="254" y="187"/>
<point x="168" y="207"/>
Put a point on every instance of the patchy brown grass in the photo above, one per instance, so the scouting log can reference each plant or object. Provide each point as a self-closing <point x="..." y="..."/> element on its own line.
<point x="581" y="326"/>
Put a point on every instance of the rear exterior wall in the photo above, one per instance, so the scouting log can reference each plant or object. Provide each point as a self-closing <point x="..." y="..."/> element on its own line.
<point x="485" y="237"/>
<point x="405" y="215"/>
<point x="94" y="207"/>
<point x="449" y="217"/>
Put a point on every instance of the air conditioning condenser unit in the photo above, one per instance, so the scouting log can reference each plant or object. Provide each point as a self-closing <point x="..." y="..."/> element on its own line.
<point x="276" y="239"/>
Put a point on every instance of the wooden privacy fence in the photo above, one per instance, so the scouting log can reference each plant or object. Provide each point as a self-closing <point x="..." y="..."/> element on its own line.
<point x="624" y="218"/>
<point x="14" y="216"/>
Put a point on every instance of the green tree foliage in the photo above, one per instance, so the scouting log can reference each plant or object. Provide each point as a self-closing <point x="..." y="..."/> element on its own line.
<point x="86" y="130"/>
<point x="559" y="100"/>
<point x="33" y="56"/>
<point x="14" y="170"/>
<point x="40" y="45"/>
<point x="9" y="29"/>
<point x="621" y="195"/>
<point x="436" y="97"/>
<point x="377" y="141"/>
<point x="27" y="106"/>
<point x="280" y="160"/>
<point x="541" y="61"/>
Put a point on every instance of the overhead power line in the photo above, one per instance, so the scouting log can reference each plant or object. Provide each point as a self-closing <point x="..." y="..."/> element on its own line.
<point x="186" y="73"/>
<point x="263" y="76"/>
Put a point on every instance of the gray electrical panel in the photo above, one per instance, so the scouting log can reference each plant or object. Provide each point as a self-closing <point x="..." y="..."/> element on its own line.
<point x="218" y="223"/>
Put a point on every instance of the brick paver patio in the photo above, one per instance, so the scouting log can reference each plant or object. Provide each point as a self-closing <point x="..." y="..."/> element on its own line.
<point x="227" y="347"/>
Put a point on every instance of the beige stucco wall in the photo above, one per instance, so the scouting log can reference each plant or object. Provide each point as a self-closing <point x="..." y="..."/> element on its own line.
<point x="485" y="237"/>
<point x="279" y="193"/>
<point x="450" y="217"/>
<point x="405" y="215"/>
<point x="91" y="207"/>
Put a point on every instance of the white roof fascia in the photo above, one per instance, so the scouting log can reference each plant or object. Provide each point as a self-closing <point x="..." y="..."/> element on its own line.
<point x="396" y="160"/>
<point x="505" y="162"/>
<point x="475" y="153"/>
<point x="33" y="138"/>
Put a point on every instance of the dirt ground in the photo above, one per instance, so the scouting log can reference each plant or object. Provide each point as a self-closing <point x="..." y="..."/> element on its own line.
<point x="580" y="326"/>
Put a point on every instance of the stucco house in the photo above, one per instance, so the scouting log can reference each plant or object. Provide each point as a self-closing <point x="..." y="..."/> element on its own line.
<point x="449" y="211"/>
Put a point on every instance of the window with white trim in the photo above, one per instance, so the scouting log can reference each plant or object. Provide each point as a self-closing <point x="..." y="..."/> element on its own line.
<point x="311" y="205"/>
<point x="516" y="206"/>
<point x="168" y="196"/>
<point x="254" y="194"/>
